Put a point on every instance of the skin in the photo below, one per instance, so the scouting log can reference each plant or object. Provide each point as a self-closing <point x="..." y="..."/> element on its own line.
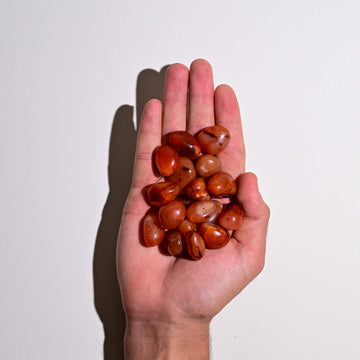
<point x="169" y="302"/>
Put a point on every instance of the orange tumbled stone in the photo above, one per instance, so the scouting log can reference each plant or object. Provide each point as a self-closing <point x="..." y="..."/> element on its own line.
<point x="186" y="226"/>
<point x="162" y="193"/>
<point x="166" y="159"/>
<point x="195" y="245"/>
<point x="197" y="189"/>
<point x="153" y="233"/>
<point x="171" y="214"/>
<point x="184" y="173"/>
<point x="204" y="210"/>
<point x="222" y="184"/>
<point x="185" y="144"/>
<point x="173" y="242"/>
<point x="214" y="139"/>
<point x="215" y="237"/>
<point x="232" y="217"/>
<point x="207" y="165"/>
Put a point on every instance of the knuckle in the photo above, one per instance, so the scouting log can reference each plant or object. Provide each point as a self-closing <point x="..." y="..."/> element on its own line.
<point x="267" y="211"/>
<point x="143" y="155"/>
<point x="259" y="265"/>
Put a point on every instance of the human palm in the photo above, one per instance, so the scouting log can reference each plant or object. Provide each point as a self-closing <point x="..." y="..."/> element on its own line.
<point x="155" y="286"/>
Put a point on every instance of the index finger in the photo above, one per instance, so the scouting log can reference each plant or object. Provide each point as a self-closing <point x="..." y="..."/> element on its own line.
<point x="227" y="114"/>
<point x="175" y="97"/>
<point x="201" y="96"/>
<point x="149" y="136"/>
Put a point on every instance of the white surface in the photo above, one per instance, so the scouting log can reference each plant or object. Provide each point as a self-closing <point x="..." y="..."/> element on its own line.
<point x="65" y="69"/>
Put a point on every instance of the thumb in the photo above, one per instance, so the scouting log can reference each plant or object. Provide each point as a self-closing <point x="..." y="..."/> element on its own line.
<point x="252" y="235"/>
<point x="250" y="198"/>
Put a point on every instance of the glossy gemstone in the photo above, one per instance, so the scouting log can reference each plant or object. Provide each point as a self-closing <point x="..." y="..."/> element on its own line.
<point x="214" y="236"/>
<point x="174" y="243"/>
<point x="171" y="214"/>
<point x="222" y="184"/>
<point x="197" y="190"/>
<point x="195" y="245"/>
<point x="204" y="210"/>
<point x="207" y="165"/>
<point x="214" y="139"/>
<point x="184" y="173"/>
<point x="232" y="217"/>
<point x="162" y="193"/>
<point x="185" y="144"/>
<point x="166" y="159"/>
<point x="153" y="233"/>
<point x="186" y="226"/>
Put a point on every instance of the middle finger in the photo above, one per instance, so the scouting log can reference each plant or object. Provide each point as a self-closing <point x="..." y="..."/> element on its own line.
<point x="201" y="96"/>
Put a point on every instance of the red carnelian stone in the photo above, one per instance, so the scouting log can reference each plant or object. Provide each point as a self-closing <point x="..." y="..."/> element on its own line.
<point x="162" y="193"/>
<point x="215" y="237"/>
<point x="213" y="139"/>
<point x="204" y="210"/>
<point x="195" y="245"/>
<point x="207" y="165"/>
<point x="153" y="233"/>
<point x="197" y="189"/>
<point x="174" y="243"/>
<point x="166" y="159"/>
<point x="171" y="214"/>
<point x="222" y="184"/>
<point x="185" y="144"/>
<point x="184" y="173"/>
<point x="232" y="217"/>
<point x="186" y="226"/>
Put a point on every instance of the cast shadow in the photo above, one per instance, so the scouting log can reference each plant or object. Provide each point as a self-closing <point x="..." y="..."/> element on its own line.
<point x="107" y="299"/>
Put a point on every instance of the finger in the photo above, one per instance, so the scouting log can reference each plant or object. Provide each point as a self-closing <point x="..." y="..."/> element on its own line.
<point x="175" y="98"/>
<point x="250" y="198"/>
<point x="201" y="96"/>
<point x="149" y="136"/>
<point x="257" y="213"/>
<point x="227" y="114"/>
<point x="251" y="236"/>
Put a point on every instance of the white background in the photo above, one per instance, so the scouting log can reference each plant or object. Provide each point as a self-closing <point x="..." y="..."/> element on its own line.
<point x="65" y="69"/>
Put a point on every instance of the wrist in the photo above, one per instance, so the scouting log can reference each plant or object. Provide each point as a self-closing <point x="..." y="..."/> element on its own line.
<point x="159" y="340"/>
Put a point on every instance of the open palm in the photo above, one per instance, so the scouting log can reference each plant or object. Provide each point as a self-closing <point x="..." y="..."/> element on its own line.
<point x="159" y="287"/>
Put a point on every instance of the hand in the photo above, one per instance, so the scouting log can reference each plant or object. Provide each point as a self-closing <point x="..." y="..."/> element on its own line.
<point x="169" y="302"/>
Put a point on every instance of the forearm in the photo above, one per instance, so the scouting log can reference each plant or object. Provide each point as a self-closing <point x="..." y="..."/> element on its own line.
<point x="162" y="341"/>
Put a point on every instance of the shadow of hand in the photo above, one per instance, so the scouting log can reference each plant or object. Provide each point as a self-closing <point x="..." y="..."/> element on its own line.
<point x="108" y="304"/>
